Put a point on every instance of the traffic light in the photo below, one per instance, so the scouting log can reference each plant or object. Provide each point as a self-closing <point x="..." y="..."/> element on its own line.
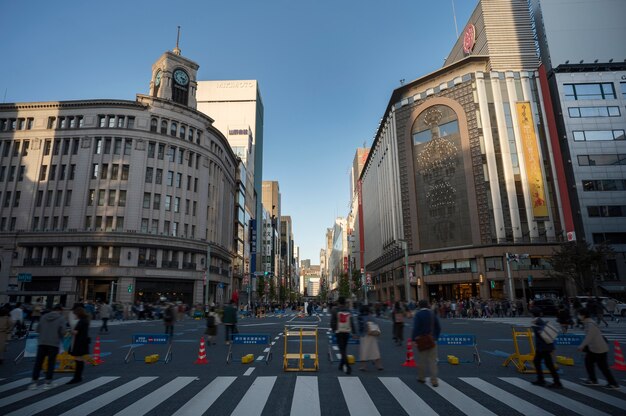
<point x="493" y="284"/>
<point x="130" y="288"/>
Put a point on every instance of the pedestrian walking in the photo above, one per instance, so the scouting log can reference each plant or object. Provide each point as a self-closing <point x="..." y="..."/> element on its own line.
<point x="543" y="352"/>
<point x="35" y="314"/>
<point x="611" y="305"/>
<point x="426" y="330"/>
<point x="80" y="343"/>
<point x="564" y="318"/>
<point x="168" y="320"/>
<point x="369" y="331"/>
<point x="398" y="323"/>
<point x="6" y="326"/>
<point x="105" y="315"/>
<point x="212" y="321"/>
<point x="596" y="350"/>
<point x="342" y="324"/>
<point x="51" y="330"/>
<point x="230" y="322"/>
<point x="17" y="318"/>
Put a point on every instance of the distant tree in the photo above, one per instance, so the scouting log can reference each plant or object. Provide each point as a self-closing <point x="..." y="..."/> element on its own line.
<point x="323" y="295"/>
<point x="260" y="286"/>
<point x="356" y="283"/>
<point x="580" y="263"/>
<point x="344" y="285"/>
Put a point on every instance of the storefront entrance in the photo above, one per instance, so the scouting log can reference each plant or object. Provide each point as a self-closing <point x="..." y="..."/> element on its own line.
<point x="153" y="291"/>
<point x="453" y="291"/>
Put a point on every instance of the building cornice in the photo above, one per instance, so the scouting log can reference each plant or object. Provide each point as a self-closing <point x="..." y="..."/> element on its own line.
<point x="48" y="105"/>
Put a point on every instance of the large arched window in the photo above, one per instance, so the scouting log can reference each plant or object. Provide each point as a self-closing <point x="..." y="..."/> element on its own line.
<point x="440" y="179"/>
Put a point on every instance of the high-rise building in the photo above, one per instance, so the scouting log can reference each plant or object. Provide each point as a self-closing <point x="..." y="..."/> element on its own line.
<point x="584" y="74"/>
<point x="237" y="110"/>
<point x="115" y="199"/>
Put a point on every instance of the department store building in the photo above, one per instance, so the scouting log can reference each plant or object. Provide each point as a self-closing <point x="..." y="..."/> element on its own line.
<point x="116" y="199"/>
<point x="462" y="169"/>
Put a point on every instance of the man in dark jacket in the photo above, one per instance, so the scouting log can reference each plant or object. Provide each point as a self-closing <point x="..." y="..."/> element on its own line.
<point x="543" y="352"/>
<point x="342" y="331"/>
<point x="230" y="321"/>
<point x="425" y="322"/>
<point x="51" y="329"/>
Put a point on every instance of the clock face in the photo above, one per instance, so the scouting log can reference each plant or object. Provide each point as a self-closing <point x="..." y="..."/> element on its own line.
<point x="181" y="77"/>
<point x="157" y="79"/>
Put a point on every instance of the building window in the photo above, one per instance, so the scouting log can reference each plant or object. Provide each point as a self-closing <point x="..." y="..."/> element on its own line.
<point x="94" y="171"/>
<point x="72" y="172"/>
<point x="63" y="172"/>
<point x="610" y="238"/>
<point x="149" y="173"/>
<point x="98" y="147"/>
<point x="119" y="224"/>
<point x="578" y="112"/>
<point x="75" y="144"/>
<point x="151" y="147"/>
<point x="115" y="170"/>
<point x="16" y="200"/>
<point x="154" y="123"/>
<point x="39" y="198"/>
<point x="190" y="137"/>
<point x="158" y="179"/>
<point x="597" y="135"/>
<point x="161" y="151"/>
<point x="607" y="210"/>
<point x="128" y="144"/>
<point x="156" y="203"/>
<point x="173" y="129"/>
<point x="58" y="198"/>
<point x="102" y="121"/>
<point x="53" y="172"/>
<point x="146" y="200"/>
<point x="176" y="204"/>
<point x="131" y="123"/>
<point x="3" y="173"/>
<point x="168" y="203"/>
<point x="602" y="160"/>
<point x="101" y="197"/>
<point x="111" y="201"/>
<point x="182" y="131"/>
<point x="622" y="86"/>
<point x="68" y="197"/>
<point x="121" y="202"/>
<point x="171" y="152"/>
<point x="105" y="171"/>
<point x="48" y="198"/>
<point x="120" y="122"/>
<point x="154" y="229"/>
<point x="179" y="180"/>
<point x="166" y="227"/>
<point x="590" y="185"/>
<point x="46" y="147"/>
<point x="591" y="91"/>
<point x="117" y="147"/>
<point x="125" y="172"/>
<point x="170" y="178"/>
<point x="91" y="196"/>
<point x="111" y="122"/>
<point x="20" y="175"/>
<point x="144" y="225"/>
<point x="164" y="127"/>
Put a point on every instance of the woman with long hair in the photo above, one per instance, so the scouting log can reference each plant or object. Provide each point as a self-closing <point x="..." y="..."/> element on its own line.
<point x="80" y="343"/>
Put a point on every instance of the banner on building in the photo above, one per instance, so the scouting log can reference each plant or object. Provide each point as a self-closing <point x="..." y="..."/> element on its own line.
<point x="532" y="160"/>
<point x="253" y="245"/>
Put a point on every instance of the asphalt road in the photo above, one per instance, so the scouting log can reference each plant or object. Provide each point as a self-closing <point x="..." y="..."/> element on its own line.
<point x="263" y="388"/>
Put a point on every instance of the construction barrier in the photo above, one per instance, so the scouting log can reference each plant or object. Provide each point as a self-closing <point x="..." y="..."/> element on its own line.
<point x="524" y="361"/>
<point x="249" y="339"/>
<point x="333" y="348"/>
<point x="300" y="332"/>
<point x="619" y="365"/>
<point x="149" y="339"/>
<point x="460" y="340"/>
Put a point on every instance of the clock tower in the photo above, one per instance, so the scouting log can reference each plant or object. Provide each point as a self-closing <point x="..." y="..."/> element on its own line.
<point x="174" y="78"/>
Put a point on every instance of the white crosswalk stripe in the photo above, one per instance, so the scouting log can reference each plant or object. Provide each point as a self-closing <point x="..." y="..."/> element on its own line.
<point x="522" y="406"/>
<point x="143" y="395"/>
<point x="357" y="399"/>
<point x="155" y="398"/>
<point x="256" y="397"/>
<point x="573" y="405"/>
<point x="201" y="402"/>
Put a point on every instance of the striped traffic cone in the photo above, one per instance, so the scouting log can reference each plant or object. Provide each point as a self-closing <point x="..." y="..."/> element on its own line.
<point x="96" y="360"/>
<point x="410" y="362"/>
<point x="619" y="358"/>
<point x="202" y="353"/>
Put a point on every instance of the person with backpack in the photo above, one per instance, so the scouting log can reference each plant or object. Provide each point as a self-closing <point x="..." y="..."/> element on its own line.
<point x="544" y="346"/>
<point x="343" y="326"/>
<point x="230" y="322"/>
<point x="212" y="321"/>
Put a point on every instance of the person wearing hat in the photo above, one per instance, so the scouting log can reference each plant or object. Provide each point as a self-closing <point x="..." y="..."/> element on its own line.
<point x="51" y="329"/>
<point x="543" y="352"/>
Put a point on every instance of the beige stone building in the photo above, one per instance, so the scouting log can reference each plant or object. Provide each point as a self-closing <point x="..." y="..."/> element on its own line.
<point x="117" y="199"/>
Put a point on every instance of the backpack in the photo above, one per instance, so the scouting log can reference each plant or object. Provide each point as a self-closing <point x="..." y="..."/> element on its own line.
<point x="344" y="325"/>
<point x="549" y="333"/>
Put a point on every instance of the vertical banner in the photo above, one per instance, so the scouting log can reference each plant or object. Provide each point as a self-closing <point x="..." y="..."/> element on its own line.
<point x="253" y="238"/>
<point x="532" y="161"/>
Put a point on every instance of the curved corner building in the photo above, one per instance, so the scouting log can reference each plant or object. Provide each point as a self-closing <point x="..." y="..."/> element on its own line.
<point x="116" y="199"/>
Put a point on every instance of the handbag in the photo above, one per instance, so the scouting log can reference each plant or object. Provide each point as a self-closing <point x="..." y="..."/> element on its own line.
<point x="373" y="329"/>
<point x="427" y="341"/>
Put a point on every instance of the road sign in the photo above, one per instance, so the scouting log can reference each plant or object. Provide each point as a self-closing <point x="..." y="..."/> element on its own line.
<point x="25" y="277"/>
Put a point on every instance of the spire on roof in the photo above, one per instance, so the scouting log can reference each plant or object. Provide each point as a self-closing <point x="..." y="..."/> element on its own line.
<point x="177" y="49"/>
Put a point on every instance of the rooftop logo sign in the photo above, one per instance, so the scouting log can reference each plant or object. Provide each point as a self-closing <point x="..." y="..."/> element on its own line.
<point x="469" y="39"/>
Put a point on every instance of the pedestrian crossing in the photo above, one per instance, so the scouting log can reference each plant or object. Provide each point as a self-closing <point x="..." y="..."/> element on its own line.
<point x="306" y="396"/>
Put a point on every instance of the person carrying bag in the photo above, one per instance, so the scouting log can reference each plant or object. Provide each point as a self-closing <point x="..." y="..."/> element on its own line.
<point x="426" y="330"/>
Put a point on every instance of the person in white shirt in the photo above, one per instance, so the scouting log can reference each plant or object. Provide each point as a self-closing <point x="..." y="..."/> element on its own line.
<point x="17" y="318"/>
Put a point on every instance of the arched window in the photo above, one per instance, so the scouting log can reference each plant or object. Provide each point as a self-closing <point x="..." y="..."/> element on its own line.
<point x="173" y="129"/>
<point x="164" y="127"/>
<point x="154" y="123"/>
<point x="182" y="131"/>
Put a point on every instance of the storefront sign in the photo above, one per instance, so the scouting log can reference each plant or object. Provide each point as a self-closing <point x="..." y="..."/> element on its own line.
<point x="532" y="160"/>
<point x="24" y="277"/>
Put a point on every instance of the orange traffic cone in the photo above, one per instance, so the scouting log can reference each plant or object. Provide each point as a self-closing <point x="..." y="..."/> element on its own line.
<point x="619" y="358"/>
<point x="202" y="353"/>
<point x="96" y="360"/>
<point x="410" y="362"/>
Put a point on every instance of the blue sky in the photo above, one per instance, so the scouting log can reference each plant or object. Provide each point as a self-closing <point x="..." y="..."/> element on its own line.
<point x="326" y="69"/>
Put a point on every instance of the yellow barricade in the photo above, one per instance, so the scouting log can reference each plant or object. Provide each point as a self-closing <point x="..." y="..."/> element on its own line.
<point x="301" y="332"/>
<point x="523" y="362"/>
